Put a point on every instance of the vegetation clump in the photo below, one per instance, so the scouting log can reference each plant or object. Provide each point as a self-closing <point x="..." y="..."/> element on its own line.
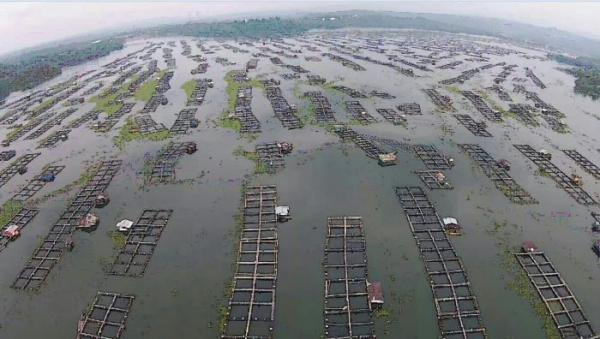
<point x="189" y="87"/>
<point x="9" y="210"/>
<point x="260" y="167"/>
<point x="227" y="118"/>
<point x="118" y="239"/>
<point x="586" y="72"/>
<point x="130" y="132"/>
<point x="148" y="88"/>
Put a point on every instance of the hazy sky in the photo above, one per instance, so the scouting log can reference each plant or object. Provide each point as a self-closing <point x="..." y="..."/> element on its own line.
<point x="24" y="24"/>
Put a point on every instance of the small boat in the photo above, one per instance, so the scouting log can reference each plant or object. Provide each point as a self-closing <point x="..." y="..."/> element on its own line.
<point x="451" y="226"/>
<point x="528" y="247"/>
<point x="11" y="232"/>
<point x="89" y="222"/>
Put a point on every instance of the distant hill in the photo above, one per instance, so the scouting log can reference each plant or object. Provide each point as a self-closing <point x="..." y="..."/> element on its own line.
<point x="549" y="38"/>
<point x="22" y="71"/>
<point x="30" y="68"/>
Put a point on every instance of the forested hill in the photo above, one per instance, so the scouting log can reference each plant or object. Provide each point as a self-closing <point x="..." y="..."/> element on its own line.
<point x="549" y="38"/>
<point x="34" y="67"/>
<point x="27" y="70"/>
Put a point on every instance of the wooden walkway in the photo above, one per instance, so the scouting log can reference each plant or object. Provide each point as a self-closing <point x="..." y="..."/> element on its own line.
<point x="347" y="313"/>
<point x="556" y="295"/>
<point x="583" y="162"/>
<point x="106" y="317"/>
<point x="141" y="240"/>
<point x="12" y="169"/>
<point x="560" y="177"/>
<point x="499" y="176"/>
<point x="52" y="248"/>
<point x="456" y="306"/>
<point x="251" y="310"/>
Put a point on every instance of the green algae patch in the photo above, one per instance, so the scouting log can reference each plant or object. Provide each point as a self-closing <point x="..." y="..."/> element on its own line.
<point x="130" y="132"/>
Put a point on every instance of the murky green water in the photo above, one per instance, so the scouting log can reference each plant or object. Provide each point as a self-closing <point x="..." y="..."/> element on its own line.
<point x="183" y="287"/>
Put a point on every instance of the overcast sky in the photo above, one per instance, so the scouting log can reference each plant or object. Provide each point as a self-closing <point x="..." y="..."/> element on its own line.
<point x="25" y="24"/>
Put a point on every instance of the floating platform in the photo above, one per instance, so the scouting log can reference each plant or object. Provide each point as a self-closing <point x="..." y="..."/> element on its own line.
<point x="142" y="238"/>
<point x="323" y="110"/>
<point x="583" y="162"/>
<point x="392" y="116"/>
<point x="431" y="179"/>
<point x="36" y="183"/>
<point x="358" y="112"/>
<point x="443" y="102"/>
<point x="499" y="176"/>
<point x="281" y="107"/>
<point x="184" y="120"/>
<point x="243" y="111"/>
<point x="12" y="169"/>
<point x="56" y="120"/>
<point x="482" y="106"/>
<point x="431" y="157"/>
<point x="456" y="306"/>
<point x="53" y="246"/>
<point x="147" y="125"/>
<point x="525" y="113"/>
<point x="560" y="177"/>
<point x="477" y="128"/>
<point x="163" y="167"/>
<point x="347" y="312"/>
<point x="411" y="108"/>
<point x="556" y="295"/>
<point x="55" y="138"/>
<point x="251" y="309"/>
<point x="270" y="155"/>
<point x="106" y="317"/>
<point x="368" y="146"/>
